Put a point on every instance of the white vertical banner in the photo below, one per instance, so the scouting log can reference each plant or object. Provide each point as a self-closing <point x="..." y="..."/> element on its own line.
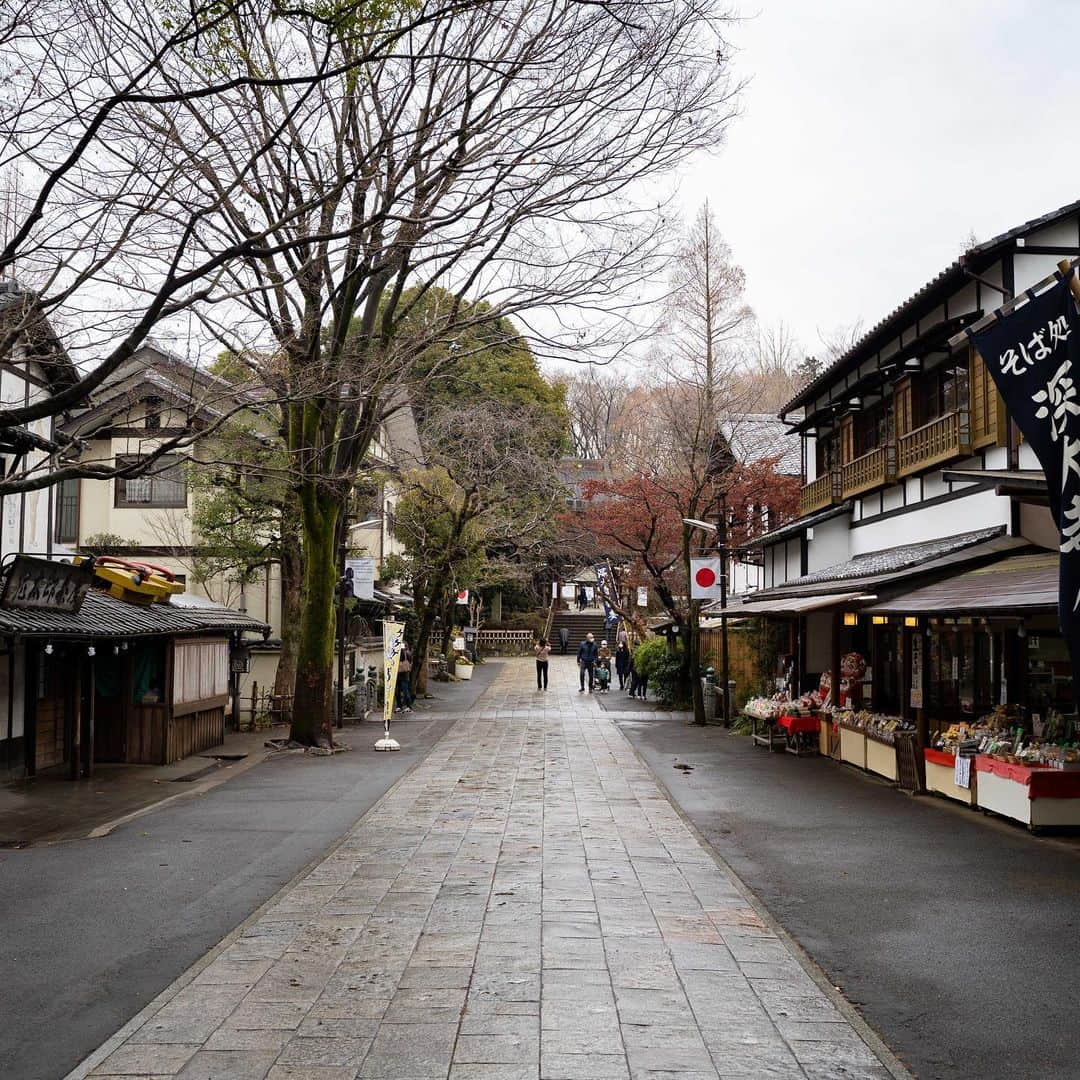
<point x="643" y="596"/>
<point x="393" y="640"/>
<point x="362" y="573"/>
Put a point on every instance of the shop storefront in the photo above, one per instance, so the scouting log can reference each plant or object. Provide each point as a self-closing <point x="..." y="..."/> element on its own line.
<point x="87" y="678"/>
<point x="960" y="687"/>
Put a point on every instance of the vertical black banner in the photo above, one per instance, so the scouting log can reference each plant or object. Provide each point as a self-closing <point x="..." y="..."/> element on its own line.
<point x="1033" y="355"/>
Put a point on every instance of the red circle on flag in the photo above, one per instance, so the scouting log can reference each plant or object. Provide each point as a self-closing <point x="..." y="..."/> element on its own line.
<point x="705" y="577"/>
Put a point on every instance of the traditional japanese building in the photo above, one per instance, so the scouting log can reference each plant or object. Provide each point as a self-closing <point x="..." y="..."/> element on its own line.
<point x="924" y="531"/>
<point x="86" y="677"/>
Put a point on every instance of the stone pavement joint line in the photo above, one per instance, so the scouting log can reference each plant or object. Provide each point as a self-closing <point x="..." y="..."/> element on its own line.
<point x="525" y="905"/>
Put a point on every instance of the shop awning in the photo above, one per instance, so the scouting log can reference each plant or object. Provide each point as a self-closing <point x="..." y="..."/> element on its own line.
<point x="1018" y="584"/>
<point x="795" y="605"/>
<point x="1024" y="485"/>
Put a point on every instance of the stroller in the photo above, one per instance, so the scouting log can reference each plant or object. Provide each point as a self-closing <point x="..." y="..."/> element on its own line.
<point x="603" y="676"/>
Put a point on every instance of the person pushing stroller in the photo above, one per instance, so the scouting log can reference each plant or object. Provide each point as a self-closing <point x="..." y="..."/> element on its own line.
<point x="603" y="669"/>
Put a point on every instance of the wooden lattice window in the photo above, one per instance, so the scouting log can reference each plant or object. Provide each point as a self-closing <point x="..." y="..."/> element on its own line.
<point x="987" y="408"/>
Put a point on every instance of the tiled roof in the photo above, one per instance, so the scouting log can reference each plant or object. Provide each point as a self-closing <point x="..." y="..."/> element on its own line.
<point x="952" y="275"/>
<point x="890" y="560"/>
<point x="754" y="436"/>
<point x="103" y="616"/>
<point x="880" y="568"/>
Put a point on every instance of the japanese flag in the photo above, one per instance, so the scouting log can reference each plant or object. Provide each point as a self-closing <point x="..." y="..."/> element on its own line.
<point x="705" y="579"/>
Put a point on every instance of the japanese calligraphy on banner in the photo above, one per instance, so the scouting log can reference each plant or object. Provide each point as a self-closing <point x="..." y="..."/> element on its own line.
<point x="916" y="671"/>
<point x="1033" y="356"/>
<point x="393" y="640"/>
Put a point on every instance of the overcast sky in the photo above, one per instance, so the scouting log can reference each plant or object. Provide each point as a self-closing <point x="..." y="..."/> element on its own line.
<point x="876" y="137"/>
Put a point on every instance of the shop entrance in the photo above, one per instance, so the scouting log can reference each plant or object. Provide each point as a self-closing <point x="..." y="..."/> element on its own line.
<point x="129" y="709"/>
<point x="110" y="721"/>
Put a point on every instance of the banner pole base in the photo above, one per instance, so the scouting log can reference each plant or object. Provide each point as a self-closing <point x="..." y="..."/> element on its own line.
<point x="386" y="743"/>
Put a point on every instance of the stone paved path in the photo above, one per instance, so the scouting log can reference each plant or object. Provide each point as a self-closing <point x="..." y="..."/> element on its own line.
<point x="525" y="905"/>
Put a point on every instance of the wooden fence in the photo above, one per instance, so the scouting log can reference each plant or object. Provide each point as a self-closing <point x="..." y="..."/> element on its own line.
<point x="506" y="642"/>
<point x="744" y="658"/>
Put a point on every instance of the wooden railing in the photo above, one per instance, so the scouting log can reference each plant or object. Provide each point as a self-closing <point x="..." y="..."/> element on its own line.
<point x="873" y="469"/>
<point x="946" y="437"/>
<point x="819" y="493"/>
<point x="506" y="642"/>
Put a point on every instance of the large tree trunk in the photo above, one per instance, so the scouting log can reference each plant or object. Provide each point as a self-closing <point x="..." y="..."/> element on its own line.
<point x="423" y="637"/>
<point x="313" y="699"/>
<point x="292" y="571"/>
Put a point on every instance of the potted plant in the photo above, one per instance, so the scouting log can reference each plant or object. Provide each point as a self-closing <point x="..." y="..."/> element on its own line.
<point x="463" y="667"/>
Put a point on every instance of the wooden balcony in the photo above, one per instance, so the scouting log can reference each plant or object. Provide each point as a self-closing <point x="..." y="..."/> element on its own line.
<point x="946" y="437"/>
<point x="819" y="493"/>
<point x="872" y="470"/>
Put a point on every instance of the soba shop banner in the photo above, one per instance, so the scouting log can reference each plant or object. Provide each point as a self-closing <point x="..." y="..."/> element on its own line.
<point x="1033" y="355"/>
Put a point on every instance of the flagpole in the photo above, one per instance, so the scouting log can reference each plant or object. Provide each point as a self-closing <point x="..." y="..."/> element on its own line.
<point x="962" y="336"/>
<point x="1074" y="285"/>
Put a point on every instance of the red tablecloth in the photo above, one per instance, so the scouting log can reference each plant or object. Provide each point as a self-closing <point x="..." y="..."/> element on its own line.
<point x="1041" y="782"/>
<point x="795" y="725"/>
<point x="940" y="757"/>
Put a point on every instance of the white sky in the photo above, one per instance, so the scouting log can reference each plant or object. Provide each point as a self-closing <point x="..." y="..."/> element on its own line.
<point x="876" y="136"/>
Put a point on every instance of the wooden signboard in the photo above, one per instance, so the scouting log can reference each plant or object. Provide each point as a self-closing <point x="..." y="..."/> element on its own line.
<point x="41" y="585"/>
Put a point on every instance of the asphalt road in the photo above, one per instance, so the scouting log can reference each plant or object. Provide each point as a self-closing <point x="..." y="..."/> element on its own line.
<point x="954" y="933"/>
<point x="92" y="930"/>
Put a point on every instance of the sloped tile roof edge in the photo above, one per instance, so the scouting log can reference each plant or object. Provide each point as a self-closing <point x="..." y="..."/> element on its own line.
<point x="104" y="616"/>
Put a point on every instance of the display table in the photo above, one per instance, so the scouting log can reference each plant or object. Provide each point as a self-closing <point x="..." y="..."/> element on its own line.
<point x="853" y="746"/>
<point x="765" y="732"/>
<point x="881" y="758"/>
<point x="1032" y="794"/>
<point x="801" y="734"/>
<point x="941" y="773"/>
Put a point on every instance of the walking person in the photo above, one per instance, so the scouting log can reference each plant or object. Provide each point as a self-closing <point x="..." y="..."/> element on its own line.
<point x="603" y="668"/>
<point x="404" y="694"/>
<point x="582" y="598"/>
<point x="543" y="651"/>
<point x="586" y="658"/>
<point x="564" y="638"/>
<point x="622" y="663"/>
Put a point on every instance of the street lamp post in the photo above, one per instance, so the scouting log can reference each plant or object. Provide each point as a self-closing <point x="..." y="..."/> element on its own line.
<point x="721" y="545"/>
<point x="720" y="528"/>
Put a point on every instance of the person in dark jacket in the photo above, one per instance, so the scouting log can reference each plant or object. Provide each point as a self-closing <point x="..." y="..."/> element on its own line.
<point x="582" y="599"/>
<point x="622" y="663"/>
<point x="586" y="658"/>
<point x="564" y="638"/>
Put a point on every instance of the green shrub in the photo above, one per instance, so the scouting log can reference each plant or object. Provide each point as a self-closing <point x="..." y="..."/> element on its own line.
<point x="648" y="655"/>
<point x="662" y="667"/>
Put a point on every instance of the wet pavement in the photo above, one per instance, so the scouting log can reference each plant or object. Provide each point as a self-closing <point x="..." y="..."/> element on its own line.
<point x="525" y="903"/>
<point x="955" y="933"/>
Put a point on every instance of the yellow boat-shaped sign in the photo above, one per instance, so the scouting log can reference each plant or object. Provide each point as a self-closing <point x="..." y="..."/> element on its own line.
<point x="135" y="582"/>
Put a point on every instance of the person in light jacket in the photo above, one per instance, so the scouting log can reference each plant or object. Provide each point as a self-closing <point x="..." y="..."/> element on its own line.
<point x="586" y="658"/>
<point x="543" y="651"/>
